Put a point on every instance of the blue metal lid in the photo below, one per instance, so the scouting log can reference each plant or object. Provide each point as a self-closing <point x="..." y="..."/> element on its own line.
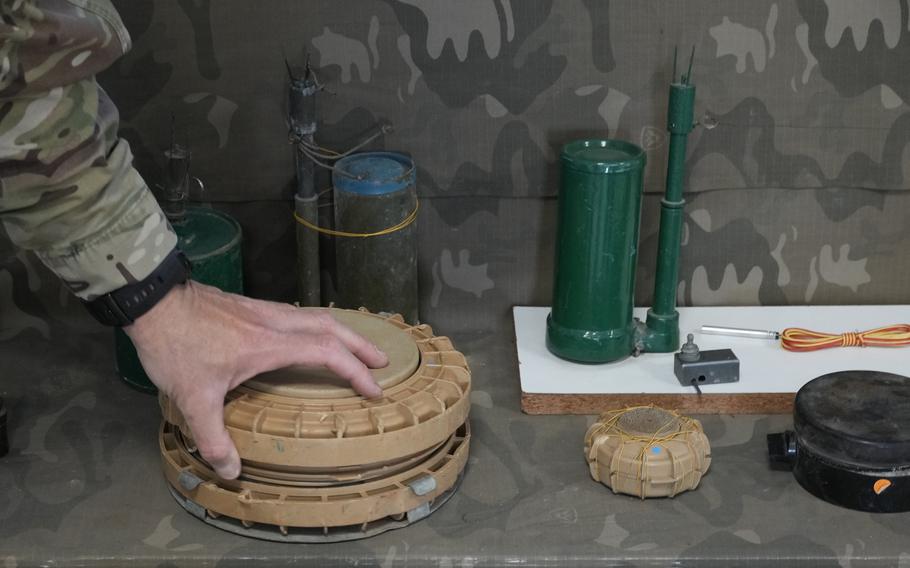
<point x="374" y="173"/>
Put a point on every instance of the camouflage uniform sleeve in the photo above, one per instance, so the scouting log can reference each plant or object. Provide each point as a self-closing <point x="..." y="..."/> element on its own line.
<point x="68" y="190"/>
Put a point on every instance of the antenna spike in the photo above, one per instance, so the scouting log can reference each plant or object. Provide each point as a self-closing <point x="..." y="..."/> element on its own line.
<point x="691" y="58"/>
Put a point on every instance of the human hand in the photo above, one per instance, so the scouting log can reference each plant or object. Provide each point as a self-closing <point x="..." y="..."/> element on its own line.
<point x="198" y="343"/>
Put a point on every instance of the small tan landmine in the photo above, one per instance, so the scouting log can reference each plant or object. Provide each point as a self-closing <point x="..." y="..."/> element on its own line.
<point x="647" y="451"/>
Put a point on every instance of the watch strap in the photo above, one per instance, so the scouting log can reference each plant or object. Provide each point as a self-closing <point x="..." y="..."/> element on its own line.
<point x="125" y="305"/>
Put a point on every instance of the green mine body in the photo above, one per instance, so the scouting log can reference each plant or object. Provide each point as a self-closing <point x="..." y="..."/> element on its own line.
<point x="211" y="240"/>
<point x="596" y="250"/>
<point x="597" y="240"/>
<point x="661" y="333"/>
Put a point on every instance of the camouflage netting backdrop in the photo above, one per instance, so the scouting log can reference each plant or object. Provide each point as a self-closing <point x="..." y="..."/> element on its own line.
<point x="798" y="195"/>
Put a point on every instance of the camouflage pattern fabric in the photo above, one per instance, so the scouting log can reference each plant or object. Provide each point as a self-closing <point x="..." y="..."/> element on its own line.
<point x="69" y="191"/>
<point x="797" y="196"/>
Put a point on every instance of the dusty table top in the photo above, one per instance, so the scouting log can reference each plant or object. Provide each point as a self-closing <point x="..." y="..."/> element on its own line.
<point x="82" y="487"/>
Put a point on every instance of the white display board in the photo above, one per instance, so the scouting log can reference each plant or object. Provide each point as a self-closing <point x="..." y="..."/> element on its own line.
<point x="765" y="367"/>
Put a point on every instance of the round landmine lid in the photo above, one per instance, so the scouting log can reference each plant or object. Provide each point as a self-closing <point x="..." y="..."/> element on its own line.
<point x="856" y="418"/>
<point x="321" y="383"/>
<point x="303" y="428"/>
<point x="647" y="451"/>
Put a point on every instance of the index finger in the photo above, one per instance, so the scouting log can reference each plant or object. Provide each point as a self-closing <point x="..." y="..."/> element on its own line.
<point x="204" y="414"/>
<point x="323" y="322"/>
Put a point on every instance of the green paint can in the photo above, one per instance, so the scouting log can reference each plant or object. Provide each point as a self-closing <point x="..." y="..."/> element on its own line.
<point x="211" y="240"/>
<point x="596" y="249"/>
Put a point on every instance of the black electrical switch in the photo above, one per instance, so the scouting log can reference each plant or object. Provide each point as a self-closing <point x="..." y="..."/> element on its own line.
<point x="694" y="368"/>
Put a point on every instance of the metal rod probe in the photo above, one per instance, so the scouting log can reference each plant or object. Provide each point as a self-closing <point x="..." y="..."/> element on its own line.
<point x="740" y="332"/>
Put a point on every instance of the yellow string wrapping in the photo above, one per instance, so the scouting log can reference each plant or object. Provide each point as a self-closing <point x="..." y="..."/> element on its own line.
<point x="656" y="437"/>
<point x="404" y="223"/>
<point x="609" y="425"/>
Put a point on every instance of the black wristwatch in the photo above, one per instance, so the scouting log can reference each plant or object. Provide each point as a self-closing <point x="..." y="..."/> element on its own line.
<point x="124" y="305"/>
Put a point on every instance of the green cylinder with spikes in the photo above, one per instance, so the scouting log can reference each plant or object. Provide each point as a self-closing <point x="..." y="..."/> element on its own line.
<point x="662" y="324"/>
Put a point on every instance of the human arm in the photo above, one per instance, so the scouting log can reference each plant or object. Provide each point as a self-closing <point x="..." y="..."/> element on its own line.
<point x="69" y="193"/>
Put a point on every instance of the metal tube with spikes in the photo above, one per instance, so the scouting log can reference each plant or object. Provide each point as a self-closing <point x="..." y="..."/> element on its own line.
<point x="661" y="333"/>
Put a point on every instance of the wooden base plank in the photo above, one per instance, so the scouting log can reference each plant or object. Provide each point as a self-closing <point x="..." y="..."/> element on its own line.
<point x="754" y="403"/>
<point x="769" y="375"/>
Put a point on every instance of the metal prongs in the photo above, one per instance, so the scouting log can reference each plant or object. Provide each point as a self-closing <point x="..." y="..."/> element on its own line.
<point x="688" y="76"/>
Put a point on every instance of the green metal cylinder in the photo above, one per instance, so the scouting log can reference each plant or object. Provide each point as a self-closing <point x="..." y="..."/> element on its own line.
<point x="211" y="240"/>
<point x="662" y="331"/>
<point x="596" y="249"/>
<point x="375" y="191"/>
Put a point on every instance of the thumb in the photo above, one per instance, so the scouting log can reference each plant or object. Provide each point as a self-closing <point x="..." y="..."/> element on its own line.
<point x="204" y="415"/>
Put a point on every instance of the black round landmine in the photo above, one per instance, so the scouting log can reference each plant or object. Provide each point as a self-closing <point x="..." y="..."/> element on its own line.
<point x="851" y="440"/>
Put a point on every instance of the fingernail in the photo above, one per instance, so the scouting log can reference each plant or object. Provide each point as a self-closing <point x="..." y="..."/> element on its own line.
<point x="378" y="350"/>
<point x="229" y="471"/>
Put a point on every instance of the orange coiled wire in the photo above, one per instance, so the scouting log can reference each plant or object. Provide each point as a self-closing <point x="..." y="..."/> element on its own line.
<point x="799" y="339"/>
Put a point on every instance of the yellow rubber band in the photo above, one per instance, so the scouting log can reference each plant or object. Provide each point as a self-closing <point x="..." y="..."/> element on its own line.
<point x="407" y="221"/>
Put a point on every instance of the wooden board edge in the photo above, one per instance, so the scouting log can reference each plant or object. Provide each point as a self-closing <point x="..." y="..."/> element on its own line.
<point x="746" y="403"/>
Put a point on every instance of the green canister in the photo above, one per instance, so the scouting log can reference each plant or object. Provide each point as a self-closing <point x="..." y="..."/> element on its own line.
<point x="596" y="249"/>
<point x="211" y="240"/>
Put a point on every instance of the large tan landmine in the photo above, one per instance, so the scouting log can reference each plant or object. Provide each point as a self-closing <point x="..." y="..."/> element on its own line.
<point x="320" y="463"/>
